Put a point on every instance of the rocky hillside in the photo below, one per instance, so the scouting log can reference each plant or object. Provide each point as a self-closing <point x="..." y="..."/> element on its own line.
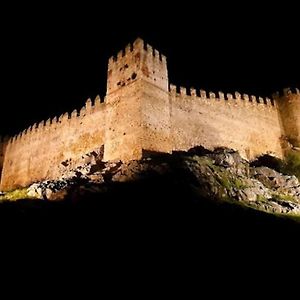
<point x="221" y="175"/>
<point x="214" y="183"/>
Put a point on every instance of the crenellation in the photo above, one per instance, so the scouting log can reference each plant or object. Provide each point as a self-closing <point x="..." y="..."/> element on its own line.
<point x="143" y="62"/>
<point x="74" y="114"/>
<point x="54" y="121"/>
<point x="260" y="100"/>
<point x="128" y="49"/>
<point x="48" y="123"/>
<point x="229" y="96"/>
<point x="33" y="128"/>
<point x="29" y="130"/>
<point x="111" y="60"/>
<point x="88" y="106"/>
<point x="66" y="117"/>
<point x="246" y="97"/>
<point x="212" y="95"/>
<point x="183" y="91"/>
<point x="157" y="55"/>
<point x="160" y="57"/>
<point x="26" y="133"/>
<point x="221" y="95"/>
<point x="120" y="55"/>
<point x="82" y="112"/>
<point x="150" y="50"/>
<point x="193" y="92"/>
<point x="41" y="124"/>
<point x="269" y="102"/>
<point x="97" y="103"/>
<point x="237" y="95"/>
<point x="203" y="94"/>
<point x="141" y="112"/>
<point x="60" y="118"/>
<point x="287" y="91"/>
<point x="139" y="44"/>
<point x="173" y="89"/>
<point x="253" y="99"/>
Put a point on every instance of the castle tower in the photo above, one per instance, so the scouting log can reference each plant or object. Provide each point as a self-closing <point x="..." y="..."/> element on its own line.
<point x="137" y="102"/>
<point x="289" y="111"/>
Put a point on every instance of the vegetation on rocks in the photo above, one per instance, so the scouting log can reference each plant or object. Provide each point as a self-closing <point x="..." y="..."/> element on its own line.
<point x="15" y="195"/>
<point x="221" y="175"/>
<point x="291" y="165"/>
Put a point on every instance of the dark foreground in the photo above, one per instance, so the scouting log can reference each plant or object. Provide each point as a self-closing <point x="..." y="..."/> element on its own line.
<point x="146" y="229"/>
<point x="162" y="213"/>
<point x="155" y="207"/>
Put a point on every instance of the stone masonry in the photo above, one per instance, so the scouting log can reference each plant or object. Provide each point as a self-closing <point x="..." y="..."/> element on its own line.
<point x="142" y="113"/>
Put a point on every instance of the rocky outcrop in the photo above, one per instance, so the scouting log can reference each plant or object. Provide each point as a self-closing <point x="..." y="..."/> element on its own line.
<point x="221" y="175"/>
<point x="224" y="175"/>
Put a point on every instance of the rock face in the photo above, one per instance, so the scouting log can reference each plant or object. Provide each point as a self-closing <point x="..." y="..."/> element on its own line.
<point x="225" y="175"/>
<point x="221" y="175"/>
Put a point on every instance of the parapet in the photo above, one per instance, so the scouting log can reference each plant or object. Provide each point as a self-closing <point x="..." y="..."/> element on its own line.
<point x="235" y="98"/>
<point x="53" y="123"/>
<point x="286" y="92"/>
<point x="139" y="60"/>
<point x="137" y="46"/>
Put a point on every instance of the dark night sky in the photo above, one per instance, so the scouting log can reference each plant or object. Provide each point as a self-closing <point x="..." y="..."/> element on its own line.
<point x="53" y="61"/>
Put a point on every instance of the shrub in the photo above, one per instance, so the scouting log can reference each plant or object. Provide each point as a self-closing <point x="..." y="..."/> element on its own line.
<point x="291" y="164"/>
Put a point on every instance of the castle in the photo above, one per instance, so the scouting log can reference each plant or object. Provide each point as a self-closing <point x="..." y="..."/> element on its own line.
<point x="142" y="113"/>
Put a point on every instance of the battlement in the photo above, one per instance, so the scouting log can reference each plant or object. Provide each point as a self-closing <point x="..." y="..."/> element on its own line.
<point x="67" y="119"/>
<point x="286" y="92"/>
<point x="136" y="47"/>
<point x="139" y="60"/>
<point x="228" y="98"/>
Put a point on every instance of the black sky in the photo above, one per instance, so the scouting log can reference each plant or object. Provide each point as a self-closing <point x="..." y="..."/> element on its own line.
<point x="55" y="59"/>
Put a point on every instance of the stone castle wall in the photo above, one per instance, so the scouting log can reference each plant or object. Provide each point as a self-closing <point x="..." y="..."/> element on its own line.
<point x="248" y="124"/>
<point x="42" y="151"/>
<point x="140" y="113"/>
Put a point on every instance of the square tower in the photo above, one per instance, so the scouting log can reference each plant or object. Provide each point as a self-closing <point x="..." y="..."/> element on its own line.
<point x="288" y="103"/>
<point x="137" y="102"/>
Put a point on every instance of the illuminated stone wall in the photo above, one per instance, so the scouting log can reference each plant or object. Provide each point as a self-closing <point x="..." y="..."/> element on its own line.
<point x="42" y="151"/>
<point x="141" y="114"/>
<point x="248" y="124"/>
